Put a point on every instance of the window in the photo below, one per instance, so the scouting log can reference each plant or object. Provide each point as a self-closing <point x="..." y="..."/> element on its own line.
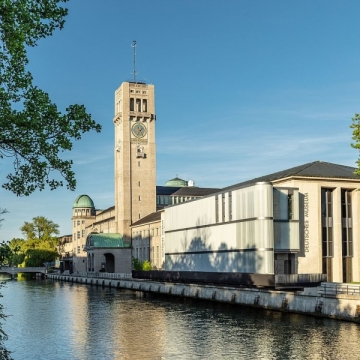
<point x="145" y="105"/>
<point x="139" y="198"/>
<point x="138" y="105"/>
<point x="230" y="206"/>
<point x="131" y="104"/>
<point x="78" y="249"/>
<point x="139" y="165"/>
<point x="223" y="207"/>
<point x="290" y="205"/>
<point x="327" y="222"/>
<point x="78" y="234"/>
<point x="346" y="219"/>
<point x="82" y="233"/>
<point x="74" y="238"/>
<point x="74" y="223"/>
<point x="83" y="221"/>
<point x="216" y="209"/>
<point x="139" y="183"/>
<point x="78" y="222"/>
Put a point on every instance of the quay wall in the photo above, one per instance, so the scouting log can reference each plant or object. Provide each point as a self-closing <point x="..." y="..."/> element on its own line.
<point x="308" y="302"/>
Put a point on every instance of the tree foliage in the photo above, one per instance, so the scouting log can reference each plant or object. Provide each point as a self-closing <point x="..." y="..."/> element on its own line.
<point x="41" y="229"/>
<point x="356" y="138"/>
<point x="5" y="254"/>
<point x="33" y="132"/>
<point x="2" y="212"/>
<point x="141" y="265"/>
<point x="37" y="257"/>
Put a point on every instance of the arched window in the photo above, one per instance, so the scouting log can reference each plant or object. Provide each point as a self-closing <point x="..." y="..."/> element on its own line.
<point x="138" y="105"/>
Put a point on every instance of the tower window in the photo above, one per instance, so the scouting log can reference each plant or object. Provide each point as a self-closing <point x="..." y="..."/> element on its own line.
<point x="139" y="183"/>
<point x="144" y="105"/>
<point x="131" y="104"/>
<point x="139" y="198"/>
<point x="138" y="105"/>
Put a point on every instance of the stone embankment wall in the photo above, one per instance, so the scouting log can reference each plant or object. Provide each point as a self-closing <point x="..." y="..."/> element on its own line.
<point x="309" y="302"/>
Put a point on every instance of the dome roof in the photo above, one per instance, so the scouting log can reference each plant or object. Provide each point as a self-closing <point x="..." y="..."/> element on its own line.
<point x="83" y="201"/>
<point x="176" y="182"/>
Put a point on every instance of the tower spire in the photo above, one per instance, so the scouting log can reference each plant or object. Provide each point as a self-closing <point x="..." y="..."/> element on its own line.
<point x="133" y="45"/>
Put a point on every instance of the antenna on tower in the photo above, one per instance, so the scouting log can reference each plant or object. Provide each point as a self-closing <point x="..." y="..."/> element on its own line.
<point x="133" y="45"/>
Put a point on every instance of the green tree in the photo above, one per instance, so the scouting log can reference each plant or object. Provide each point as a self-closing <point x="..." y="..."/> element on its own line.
<point x="41" y="229"/>
<point x="5" y="254"/>
<point x="32" y="129"/>
<point x="37" y="257"/>
<point x="356" y="137"/>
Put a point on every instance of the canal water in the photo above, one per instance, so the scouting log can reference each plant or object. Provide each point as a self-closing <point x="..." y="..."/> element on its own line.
<point x="52" y="320"/>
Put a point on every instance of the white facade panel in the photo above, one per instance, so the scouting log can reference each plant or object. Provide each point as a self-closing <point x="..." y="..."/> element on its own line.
<point x="199" y="237"/>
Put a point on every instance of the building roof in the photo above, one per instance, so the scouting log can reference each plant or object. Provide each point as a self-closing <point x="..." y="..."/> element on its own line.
<point x="106" y="241"/>
<point x="320" y="169"/>
<point x="176" y="182"/>
<point x="195" y="191"/>
<point x="166" y="190"/>
<point x="104" y="211"/>
<point x="83" y="201"/>
<point x="155" y="216"/>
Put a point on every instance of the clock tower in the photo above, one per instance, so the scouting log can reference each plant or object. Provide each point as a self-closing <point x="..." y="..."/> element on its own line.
<point x="135" y="155"/>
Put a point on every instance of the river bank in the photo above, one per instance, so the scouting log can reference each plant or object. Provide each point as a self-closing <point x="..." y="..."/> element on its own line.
<point x="310" y="301"/>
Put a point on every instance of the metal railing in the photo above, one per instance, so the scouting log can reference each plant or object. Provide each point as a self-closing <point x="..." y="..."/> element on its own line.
<point x="294" y="279"/>
<point x="102" y="275"/>
<point x="333" y="289"/>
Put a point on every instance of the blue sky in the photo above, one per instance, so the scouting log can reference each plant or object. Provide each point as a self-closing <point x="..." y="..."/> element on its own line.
<point x="243" y="89"/>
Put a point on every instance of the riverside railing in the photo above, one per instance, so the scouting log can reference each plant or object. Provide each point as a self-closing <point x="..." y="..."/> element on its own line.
<point x="333" y="289"/>
<point x="282" y="280"/>
<point x="102" y="275"/>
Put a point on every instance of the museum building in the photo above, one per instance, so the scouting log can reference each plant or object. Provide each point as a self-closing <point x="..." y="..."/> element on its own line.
<point x="301" y="220"/>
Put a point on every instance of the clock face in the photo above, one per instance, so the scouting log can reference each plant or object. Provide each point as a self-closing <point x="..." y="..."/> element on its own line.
<point x="139" y="130"/>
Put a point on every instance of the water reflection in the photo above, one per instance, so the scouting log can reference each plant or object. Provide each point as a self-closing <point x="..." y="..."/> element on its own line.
<point x="53" y="320"/>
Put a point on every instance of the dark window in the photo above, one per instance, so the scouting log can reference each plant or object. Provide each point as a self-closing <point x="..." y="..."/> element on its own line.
<point x="290" y="206"/>
<point x="230" y="206"/>
<point x="223" y="207"/>
<point x="346" y="220"/>
<point x="216" y="209"/>
<point x="327" y="220"/>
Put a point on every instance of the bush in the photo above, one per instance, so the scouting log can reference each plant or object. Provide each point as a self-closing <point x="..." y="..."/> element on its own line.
<point x="141" y="265"/>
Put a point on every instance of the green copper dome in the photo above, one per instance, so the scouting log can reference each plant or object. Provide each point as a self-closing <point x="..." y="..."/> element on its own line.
<point x="176" y="182"/>
<point x="83" y="201"/>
